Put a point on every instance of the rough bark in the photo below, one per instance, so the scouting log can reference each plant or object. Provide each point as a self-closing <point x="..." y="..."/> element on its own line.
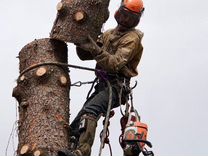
<point x="76" y="19"/>
<point x="43" y="97"/>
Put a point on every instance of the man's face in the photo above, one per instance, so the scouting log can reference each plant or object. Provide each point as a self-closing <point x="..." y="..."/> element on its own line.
<point x="126" y="18"/>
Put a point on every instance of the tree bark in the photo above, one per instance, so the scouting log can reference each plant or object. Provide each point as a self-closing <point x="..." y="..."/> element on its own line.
<point x="76" y="19"/>
<point x="43" y="97"/>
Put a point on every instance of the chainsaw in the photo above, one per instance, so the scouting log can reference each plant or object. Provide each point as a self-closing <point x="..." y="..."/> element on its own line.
<point x="134" y="135"/>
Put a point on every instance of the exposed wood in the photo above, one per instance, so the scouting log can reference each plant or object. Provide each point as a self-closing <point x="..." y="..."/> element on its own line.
<point x="40" y="152"/>
<point x="37" y="153"/>
<point x="41" y="100"/>
<point x="41" y="71"/>
<point x="24" y="149"/>
<point x="22" y="78"/>
<point x="63" y="80"/>
<point x="59" y="6"/>
<point x="77" y="19"/>
<point x="79" y="16"/>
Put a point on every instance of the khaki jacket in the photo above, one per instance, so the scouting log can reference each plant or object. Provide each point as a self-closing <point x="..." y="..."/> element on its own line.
<point x="121" y="52"/>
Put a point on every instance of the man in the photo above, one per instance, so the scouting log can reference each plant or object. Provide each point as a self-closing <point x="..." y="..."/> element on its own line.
<point x="117" y="52"/>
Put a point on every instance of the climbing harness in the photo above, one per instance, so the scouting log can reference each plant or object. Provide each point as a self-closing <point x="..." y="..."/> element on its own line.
<point x="128" y="90"/>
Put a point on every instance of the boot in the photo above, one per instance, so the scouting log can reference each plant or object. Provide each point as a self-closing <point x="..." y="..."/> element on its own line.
<point x="87" y="128"/>
<point x="73" y="143"/>
<point x="88" y="124"/>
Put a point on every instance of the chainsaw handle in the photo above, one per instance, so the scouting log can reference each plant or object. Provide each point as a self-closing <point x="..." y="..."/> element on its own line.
<point x="149" y="144"/>
<point x="146" y="142"/>
<point x="147" y="153"/>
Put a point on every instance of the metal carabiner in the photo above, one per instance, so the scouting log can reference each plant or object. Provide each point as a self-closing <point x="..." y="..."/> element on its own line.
<point x="77" y="84"/>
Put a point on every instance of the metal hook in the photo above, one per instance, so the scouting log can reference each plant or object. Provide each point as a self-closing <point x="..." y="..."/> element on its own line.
<point x="77" y="84"/>
<point x="134" y="85"/>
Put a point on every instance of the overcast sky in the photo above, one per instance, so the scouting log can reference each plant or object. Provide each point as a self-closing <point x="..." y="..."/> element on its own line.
<point x="172" y="92"/>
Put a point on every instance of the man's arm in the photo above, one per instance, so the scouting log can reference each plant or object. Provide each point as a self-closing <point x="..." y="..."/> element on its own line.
<point x="128" y="48"/>
<point x="125" y="51"/>
<point x="84" y="50"/>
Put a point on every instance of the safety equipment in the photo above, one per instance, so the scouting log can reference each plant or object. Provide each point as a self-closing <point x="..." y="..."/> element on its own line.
<point x="134" y="5"/>
<point x="135" y="131"/>
<point x="87" y="129"/>
<point x="88" y="124"/>
<point x="134" y="135"/>
<point x="73" y="142"/>
<point x="129" y="13"/>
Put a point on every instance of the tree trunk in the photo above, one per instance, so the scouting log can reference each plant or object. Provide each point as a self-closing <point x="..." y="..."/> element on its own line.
<point x="43" y="97"/>
<point x="76" y="19"/>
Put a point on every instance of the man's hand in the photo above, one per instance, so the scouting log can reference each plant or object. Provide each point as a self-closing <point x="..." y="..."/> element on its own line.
<point x="90" y="46"/>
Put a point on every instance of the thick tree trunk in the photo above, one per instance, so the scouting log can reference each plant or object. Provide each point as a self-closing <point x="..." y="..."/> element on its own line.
<point x="76" y="19"/>
<point x="43" y="96"/>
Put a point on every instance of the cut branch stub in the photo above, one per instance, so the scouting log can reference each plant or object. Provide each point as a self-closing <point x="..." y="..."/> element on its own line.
<point x="80" y="16"/>
<point x="63" y="80"/>
<point x="37" y="153"/>
<point x="59" y="6"/>
<point x="24" y="149"/>
<point x="77" y="19"/>
<point x="22" y="78"/>
<point x="24" y="104"/>
<point x="40" y="152"/>
<point x="41" y="71"/>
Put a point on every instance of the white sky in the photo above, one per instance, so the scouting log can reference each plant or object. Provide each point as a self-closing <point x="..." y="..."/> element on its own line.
<point x="172" y="86"/>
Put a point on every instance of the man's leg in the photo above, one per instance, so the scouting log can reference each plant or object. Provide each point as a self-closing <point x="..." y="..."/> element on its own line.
<point x="87" y="129"/>
<point x="87" y="118"/>
<point x="88" y="124"/>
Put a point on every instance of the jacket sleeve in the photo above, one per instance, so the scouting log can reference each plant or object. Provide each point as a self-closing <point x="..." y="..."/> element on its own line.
<point x="125" y="50"/>
<point x="86" y="55"/>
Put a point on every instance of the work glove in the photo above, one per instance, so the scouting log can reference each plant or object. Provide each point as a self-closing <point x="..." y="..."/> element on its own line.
<point x="90" y="46"/>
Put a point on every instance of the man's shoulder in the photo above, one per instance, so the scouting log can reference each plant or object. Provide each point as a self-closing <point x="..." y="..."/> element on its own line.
<point x="133" y="35"/>
<point x="136" y="33"/>
<point x="109" y="31"/>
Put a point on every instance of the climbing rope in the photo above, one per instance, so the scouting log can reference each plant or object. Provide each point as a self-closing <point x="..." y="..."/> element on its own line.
<point x="107" y="117"/>
<point x="11" y="137"/>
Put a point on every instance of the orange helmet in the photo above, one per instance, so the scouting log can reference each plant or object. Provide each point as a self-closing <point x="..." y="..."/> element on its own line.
<point x="134" y="5"/>
<point x="129" y="13"/>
